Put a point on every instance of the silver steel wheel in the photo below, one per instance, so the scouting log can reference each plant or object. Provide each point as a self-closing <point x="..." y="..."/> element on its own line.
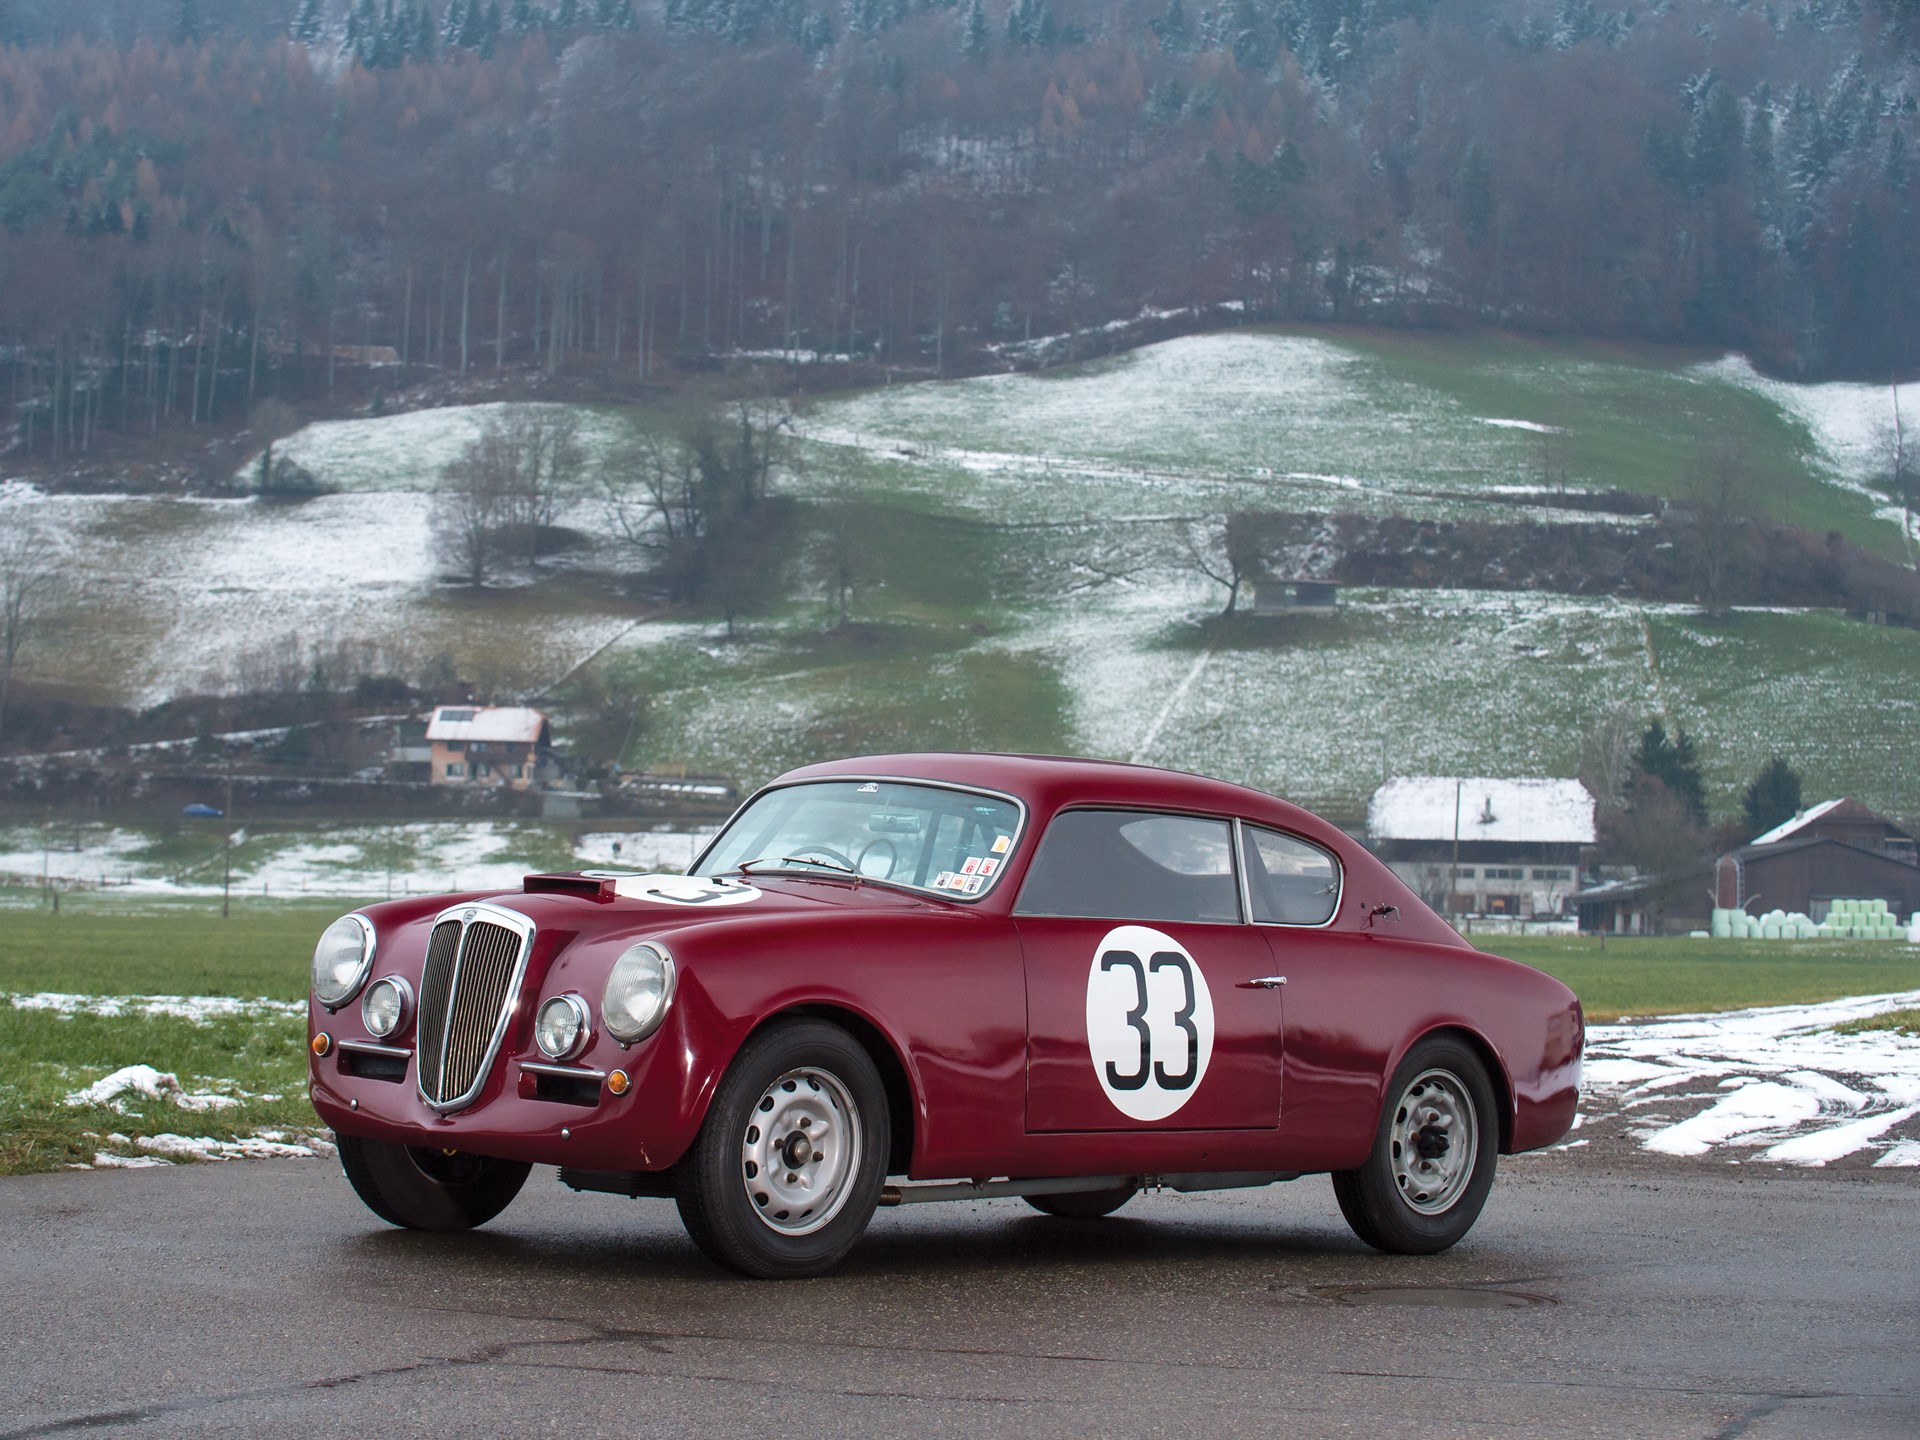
<point x="1435" y="1141"/>
<point x="801" y="1151"/>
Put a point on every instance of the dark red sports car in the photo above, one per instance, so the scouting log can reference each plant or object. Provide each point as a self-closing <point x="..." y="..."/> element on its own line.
<point x="928" y="977"/>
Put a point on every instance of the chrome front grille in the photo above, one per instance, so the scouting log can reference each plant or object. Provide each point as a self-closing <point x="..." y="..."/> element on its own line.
<point x="475" y="961"/>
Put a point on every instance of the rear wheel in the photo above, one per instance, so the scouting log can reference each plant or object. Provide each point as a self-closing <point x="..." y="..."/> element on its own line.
<point x="426" y="1189"/>
<point x="1433" y="1155"/>
<point x="787" y="1169"/>
<point x="1083" y="1204"/>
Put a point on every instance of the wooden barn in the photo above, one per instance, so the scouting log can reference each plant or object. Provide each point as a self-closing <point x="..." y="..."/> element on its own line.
<point x="1834" y="851"/>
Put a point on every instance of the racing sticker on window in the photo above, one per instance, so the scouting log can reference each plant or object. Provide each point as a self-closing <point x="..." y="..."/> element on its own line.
<point x="714" y="892"/>
<point x="1149" y="1022"/>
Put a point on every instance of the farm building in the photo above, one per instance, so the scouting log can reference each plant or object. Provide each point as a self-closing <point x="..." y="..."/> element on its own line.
<point x="1834" y="851"/>
<point x="1294" y="595"/>
<point x="489" y="745"/>
<point x="1483" y="846"/>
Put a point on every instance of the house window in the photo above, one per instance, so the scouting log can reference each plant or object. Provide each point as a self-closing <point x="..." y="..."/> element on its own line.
<point x="513" y="772"/>
<point x="1505" y="872"/>
<point x="455" y="770"/>
<point x="1551" y="873"/>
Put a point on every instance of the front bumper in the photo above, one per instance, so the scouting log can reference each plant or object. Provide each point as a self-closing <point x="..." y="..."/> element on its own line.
<point x="528" y="1108"/>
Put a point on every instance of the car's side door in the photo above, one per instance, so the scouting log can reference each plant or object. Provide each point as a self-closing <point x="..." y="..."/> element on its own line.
<point x="1149" y="999"/>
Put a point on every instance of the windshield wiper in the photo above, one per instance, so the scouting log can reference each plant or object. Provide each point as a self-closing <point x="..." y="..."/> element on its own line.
<point x="823" y="863"/>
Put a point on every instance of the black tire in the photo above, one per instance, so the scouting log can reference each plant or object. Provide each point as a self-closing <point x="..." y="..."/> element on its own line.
<point x="1417" y="1194"/>
<point x="800" y="1214"/>
<point x="424" y="1189"/>
<point x="1083" y="1204"/>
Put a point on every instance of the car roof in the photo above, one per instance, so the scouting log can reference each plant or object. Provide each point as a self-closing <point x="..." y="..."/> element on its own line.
<point x="1047" y="783"/>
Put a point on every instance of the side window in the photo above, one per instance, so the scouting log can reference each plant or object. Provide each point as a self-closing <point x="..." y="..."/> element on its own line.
<point x="1133" y="865"/>
<point x="1289" y="882"/>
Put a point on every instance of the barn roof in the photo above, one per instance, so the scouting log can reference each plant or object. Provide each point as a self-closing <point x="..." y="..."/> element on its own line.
<point x="1514" y="811"/>
<point x="1798" y="823"/>
<point x="507" y="724"/>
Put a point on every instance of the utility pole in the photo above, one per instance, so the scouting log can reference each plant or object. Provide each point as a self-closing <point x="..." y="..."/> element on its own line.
<point x="226" y="850"/>
<point x="1453" y="873"/>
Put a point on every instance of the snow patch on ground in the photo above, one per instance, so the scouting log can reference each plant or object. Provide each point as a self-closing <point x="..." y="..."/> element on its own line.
<point x="1850" y="422"/>
<point x="146" y="1081"/>
<point x="1778" y="1080"/>
<point x="409" y="452"/>
<point x="197" y="1008"/>
<point x="425" y="858"/>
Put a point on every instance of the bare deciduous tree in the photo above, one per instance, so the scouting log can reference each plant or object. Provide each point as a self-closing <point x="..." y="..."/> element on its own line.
<point x="1218" y="550"/>
<point x="1721" y="481"/>
<point x="1606" y="756"/>
<point x="476" y="501"/>
<point x="698" y="507"/>
<point x="26" y="578"/>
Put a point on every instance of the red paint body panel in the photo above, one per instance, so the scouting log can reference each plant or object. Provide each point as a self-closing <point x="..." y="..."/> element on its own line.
<point x="948" y="990"/>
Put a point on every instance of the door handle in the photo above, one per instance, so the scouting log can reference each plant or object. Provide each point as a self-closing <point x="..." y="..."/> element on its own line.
<point x="1265" y="982"/>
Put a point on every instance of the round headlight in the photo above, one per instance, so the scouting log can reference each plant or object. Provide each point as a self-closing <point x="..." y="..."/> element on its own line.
<point x="560" y="1029"/>
<point x="384" y="1006"/>
<point x="638" y="992"/>
<point x="341" y="960"/>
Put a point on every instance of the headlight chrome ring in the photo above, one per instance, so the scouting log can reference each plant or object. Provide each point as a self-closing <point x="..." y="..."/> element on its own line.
<point x="639" y="990"/>
<point x="342" y="960"/>
<point x="562" y="1027"/>
<point x="387" y="1006"/>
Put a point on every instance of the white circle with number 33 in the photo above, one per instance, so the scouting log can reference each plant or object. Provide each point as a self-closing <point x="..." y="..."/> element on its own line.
<point x="1149" y="1022"/>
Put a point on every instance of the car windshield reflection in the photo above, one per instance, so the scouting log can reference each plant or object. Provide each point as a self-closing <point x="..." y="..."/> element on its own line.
<point x="925" y="837"/>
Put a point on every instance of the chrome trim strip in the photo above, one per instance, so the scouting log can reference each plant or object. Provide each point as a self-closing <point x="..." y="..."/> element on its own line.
<point x="468" y="915"/>
<point x="367" y="1047"/>
<point x="1013" y="843"/>
<point x="564" y="1072"/>
<point x="1339" y="870"/>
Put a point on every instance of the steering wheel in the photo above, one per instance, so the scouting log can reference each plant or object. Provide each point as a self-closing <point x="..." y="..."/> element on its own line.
<point x="893" y="858"/>
<point x="827" y="850"/>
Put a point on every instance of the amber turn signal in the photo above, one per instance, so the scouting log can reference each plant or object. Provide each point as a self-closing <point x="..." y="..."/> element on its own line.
<point x="322" y="1043"/>
<point x="618" y="1083"/>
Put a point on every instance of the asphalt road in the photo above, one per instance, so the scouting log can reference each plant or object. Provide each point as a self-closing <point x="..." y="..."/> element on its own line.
<point x="1616" y="1299"/>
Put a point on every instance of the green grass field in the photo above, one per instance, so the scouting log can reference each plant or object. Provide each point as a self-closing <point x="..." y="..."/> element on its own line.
<point x="173" y="948"/>
<point x="1677" y="976"/>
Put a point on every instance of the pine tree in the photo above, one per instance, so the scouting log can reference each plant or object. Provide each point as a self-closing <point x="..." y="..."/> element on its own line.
<point x="566" y="15"/>
<point x="973" y="31"/>
<point x="456" y="23"/>
<point x="1772" y="798"/>
<point x="1676" y="764"/>
<point x="1174" y="33"/>
<point x="308" y="23"/>
<point x="187" y="26"/>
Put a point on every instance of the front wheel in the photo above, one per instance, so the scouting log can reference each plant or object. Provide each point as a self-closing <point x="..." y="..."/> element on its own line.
<point x="420" y="1188"/>
<point x="787" y="1168"/>
<point x="1427" y="1178"/>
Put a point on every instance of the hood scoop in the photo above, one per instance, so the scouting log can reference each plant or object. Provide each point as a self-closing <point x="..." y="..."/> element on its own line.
<point x="681" y="892"/>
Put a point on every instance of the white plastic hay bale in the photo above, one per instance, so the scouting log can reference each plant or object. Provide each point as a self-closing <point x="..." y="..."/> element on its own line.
<point x="1770" y="930"/>
<point x="1721" y="924"/>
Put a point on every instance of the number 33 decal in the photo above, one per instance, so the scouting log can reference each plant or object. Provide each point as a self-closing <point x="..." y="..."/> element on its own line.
<point x="1149" y="1022"/>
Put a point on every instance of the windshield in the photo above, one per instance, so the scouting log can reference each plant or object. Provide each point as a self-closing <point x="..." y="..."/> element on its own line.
<point x="956" y="842"/>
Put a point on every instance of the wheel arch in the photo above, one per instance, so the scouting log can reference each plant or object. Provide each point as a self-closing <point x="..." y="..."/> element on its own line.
<point x="1490" y="1061"/>
<point x="902" y="1097"/>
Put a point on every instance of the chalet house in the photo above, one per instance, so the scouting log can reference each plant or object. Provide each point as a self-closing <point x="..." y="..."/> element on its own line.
<point x="1481" y="846"/>
<point x="1837" y="850"/>
<point x="488" y="745"/>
